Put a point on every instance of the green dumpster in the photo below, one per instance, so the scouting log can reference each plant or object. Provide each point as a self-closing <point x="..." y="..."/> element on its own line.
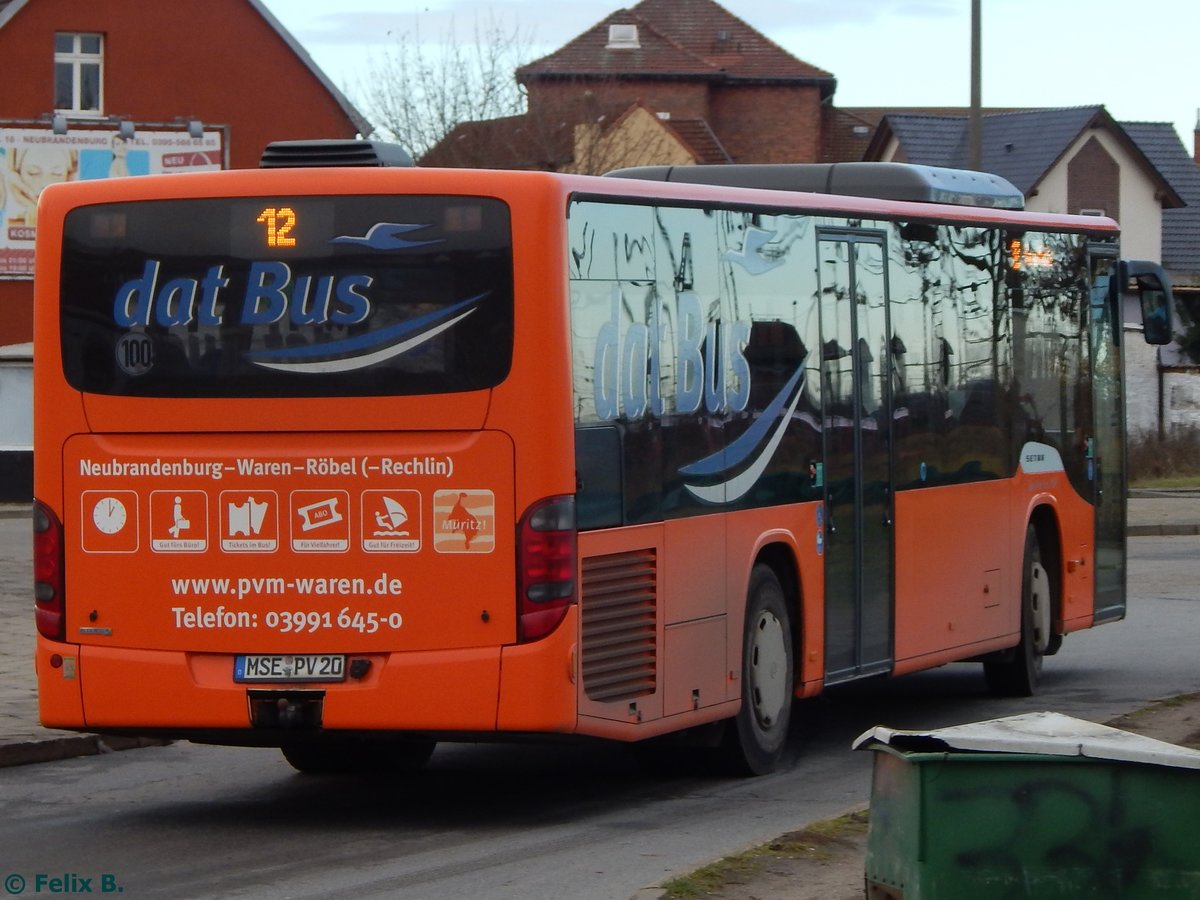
<point x="1039" y="806"/>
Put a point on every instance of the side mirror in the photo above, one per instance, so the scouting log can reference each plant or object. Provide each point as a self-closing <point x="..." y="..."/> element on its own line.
<point x="1154" y="295"/>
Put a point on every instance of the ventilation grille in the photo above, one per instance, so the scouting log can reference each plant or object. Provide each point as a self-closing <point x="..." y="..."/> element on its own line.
<point x="307" y="154"/>
<point x="620" y="593"/>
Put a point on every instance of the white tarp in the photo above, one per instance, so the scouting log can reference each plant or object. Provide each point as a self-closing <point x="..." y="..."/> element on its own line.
<point x="1048" y="733"/>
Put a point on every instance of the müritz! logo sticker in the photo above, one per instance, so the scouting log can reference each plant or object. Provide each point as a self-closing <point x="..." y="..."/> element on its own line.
<point x="464" y="521"/>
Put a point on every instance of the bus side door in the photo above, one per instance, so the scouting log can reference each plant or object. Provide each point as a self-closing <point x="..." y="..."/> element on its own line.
<point x="858" y="453"/>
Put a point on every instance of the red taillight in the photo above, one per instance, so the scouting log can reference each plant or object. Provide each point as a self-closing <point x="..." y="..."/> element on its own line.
<point x="546" y="563"/>
<point x="48" y="595"/>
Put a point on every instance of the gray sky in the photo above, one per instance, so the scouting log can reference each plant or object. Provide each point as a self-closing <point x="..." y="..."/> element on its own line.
<point x="1133" y="57"/>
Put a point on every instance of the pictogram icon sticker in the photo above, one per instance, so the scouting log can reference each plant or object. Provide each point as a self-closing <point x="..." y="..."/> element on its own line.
<point x="391" y="521"/>
<point x="464" y="521"/>
<point x="319" y="521"/>
<point x="110" y="521"/>
<point x="249" y="521"/>
<point x="178" y="521"/>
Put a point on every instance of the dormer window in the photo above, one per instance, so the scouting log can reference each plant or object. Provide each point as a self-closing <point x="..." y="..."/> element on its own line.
<point x="623" y="37"/>
<point x="79" y="73"/>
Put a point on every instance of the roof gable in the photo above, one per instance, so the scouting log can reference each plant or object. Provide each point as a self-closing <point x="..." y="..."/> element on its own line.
<point x="678" y="38"/>
<point x="1181" y="227"/>
<point x="10" y="8"/>
<point x="1024" y="146"/>
<point x="1020" y="146"/>
<point x="701" y="141"/>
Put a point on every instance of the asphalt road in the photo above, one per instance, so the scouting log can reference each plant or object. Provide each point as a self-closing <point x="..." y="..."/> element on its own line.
<point x="496" y="821"/>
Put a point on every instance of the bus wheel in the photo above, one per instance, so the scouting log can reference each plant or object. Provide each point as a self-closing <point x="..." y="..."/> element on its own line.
<point x="1018" y="672"/>
<point x="358" y="755"/>
<point x="755" y="738"/>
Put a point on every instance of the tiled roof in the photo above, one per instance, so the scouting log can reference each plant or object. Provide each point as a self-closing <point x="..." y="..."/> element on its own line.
<point x="1021" y="146"/>
<point x="513" y="142"/>
<point x="845" y="135"/>
<point x="1181" y="227"/>
<point x="523" y="142"/>
<point x="700" y="139"/>
<point x="846" y="131"/>
<point x="679" y="38"/>
<point x="931" y="140"/>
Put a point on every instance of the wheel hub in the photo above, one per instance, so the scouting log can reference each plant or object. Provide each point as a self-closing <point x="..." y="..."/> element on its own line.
<point x="768" y="667"/>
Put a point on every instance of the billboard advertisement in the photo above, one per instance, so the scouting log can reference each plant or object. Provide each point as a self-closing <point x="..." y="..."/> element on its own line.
<point x="31" y="158"/>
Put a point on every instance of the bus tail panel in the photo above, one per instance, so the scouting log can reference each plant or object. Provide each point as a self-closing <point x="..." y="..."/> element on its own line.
<point x="290" y="544"/>
<point x="178" y="692"/>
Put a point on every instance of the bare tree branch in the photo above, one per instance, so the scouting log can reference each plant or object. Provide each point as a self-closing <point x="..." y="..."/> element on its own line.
<point x="417" y="93"/>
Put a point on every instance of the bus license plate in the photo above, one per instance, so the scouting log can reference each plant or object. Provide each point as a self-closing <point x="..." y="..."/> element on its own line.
<point x="289" y="667"/>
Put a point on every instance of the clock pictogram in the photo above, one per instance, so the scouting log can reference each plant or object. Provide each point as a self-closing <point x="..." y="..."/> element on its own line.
<point x="110" y="521"/>
<point x="109" y="515"/>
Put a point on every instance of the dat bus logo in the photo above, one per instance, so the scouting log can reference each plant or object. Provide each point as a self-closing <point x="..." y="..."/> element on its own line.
<point x="710" y="363"/>
<point x="311" y="300"/>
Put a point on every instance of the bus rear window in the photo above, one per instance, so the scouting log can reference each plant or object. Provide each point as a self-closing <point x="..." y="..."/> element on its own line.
<point x="287" y="296"/>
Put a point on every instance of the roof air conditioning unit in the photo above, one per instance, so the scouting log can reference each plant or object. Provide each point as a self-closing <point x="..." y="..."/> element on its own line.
<point x="308" y="154"/>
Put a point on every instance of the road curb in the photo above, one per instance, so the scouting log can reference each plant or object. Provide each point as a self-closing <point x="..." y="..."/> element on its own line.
<point x="1163" y="530"/>
<point x="20" y="753"/>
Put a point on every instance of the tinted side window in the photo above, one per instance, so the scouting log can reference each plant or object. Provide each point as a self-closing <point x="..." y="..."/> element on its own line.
<point x="951" y="356"/>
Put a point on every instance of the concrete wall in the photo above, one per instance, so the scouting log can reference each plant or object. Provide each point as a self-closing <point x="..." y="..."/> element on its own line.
<point x="16" y="423"/>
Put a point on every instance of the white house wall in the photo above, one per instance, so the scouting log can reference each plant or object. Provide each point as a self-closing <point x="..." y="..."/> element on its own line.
<point x="1141" y="212"/>
<point x="1141" y="384"/>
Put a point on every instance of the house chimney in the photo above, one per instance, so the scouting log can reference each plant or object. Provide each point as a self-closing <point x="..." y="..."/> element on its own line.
<point x="1196" y="139"/>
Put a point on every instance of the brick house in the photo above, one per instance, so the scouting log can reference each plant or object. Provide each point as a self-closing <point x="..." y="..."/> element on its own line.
<point x="134" y="75"/>
<point x="679" y="79"/>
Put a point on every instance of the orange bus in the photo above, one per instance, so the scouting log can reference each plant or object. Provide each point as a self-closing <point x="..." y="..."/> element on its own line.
<point x="352" y="460"/>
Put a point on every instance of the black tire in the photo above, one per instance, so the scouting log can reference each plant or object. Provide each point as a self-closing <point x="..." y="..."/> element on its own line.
<point x="1017" y="674"/>
<point x="755" y="738"/>
<point x="339" y="756"/>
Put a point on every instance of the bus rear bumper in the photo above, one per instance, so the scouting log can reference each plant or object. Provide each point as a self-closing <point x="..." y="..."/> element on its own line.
<point x="528" y="688"/>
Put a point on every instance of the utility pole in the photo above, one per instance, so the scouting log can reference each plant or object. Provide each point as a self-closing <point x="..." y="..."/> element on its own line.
<point x="975" y="121"/>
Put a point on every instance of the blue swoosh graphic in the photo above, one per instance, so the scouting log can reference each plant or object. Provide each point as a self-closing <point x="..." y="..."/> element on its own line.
<point x="386" y="236"/>
<point x="732" y="456"/>
<point x="770" y="426"/>
<point x="366" y="349"/>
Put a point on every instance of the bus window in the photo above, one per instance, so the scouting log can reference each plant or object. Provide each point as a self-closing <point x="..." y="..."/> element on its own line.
<point x="271" y="297"/>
